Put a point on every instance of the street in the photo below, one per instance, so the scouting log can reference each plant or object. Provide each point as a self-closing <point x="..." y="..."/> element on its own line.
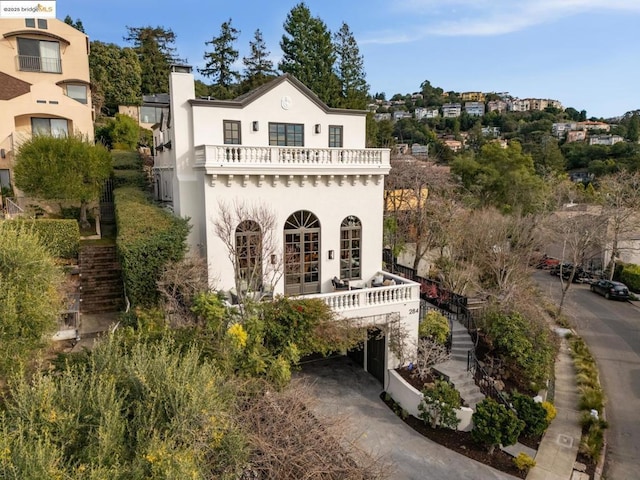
<point x="612" y="331"/>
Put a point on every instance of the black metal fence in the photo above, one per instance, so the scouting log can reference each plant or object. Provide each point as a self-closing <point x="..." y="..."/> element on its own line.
<point x="457" y="308"/>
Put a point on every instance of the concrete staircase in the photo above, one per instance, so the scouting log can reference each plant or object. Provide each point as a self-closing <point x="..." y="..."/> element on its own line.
<point x="455" y="369"/>
<point x="100" y="280"/>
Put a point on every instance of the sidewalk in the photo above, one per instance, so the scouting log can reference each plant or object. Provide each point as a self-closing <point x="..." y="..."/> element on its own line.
<point x="92" y="325"/>
<point x="559" y="447"/>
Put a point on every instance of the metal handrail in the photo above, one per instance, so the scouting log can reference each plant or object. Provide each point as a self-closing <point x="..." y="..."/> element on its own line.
<point x="484" y="381"/>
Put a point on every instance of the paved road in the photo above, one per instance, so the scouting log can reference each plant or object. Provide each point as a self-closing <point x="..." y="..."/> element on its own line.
<point x="345" y="391"/>
<point x="612" y="331"/>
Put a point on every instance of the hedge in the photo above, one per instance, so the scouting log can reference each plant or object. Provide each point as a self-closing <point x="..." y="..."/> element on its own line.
<point x="148" y="238"/>
<point x="630" y="276"/>
<point x="60" y="236"/>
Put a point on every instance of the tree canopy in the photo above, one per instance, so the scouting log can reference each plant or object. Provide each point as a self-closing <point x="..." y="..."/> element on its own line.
<point x="258" y="69"/>
<point x="156" y="53"/>
<point x="350" y="70"/>
<point x="309" y="55"/>
<point x="116" y="77"/>
<point x="64" y="168"/>
<point x="220" y="61"/>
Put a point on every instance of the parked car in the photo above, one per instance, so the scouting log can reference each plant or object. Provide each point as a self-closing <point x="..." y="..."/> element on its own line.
<point x="579" y="276"/>
<point x="611" y="289"/>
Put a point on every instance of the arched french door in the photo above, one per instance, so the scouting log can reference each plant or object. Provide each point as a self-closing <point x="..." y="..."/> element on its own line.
<point x="302" y="254"/>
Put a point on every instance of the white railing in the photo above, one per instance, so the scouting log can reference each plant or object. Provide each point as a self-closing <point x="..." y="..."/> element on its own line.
<point x="358" y="298"/>
<point x="228" y="155"/>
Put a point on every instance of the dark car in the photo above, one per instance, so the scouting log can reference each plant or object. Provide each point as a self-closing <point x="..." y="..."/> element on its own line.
<point x="611" y="289"/>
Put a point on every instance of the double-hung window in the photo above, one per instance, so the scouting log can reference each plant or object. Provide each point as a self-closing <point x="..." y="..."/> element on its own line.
<point x="335" y="136"/>
<point x="232" y="132"/>
<point x="286" y="134"/>
<point x="39" y="55"/>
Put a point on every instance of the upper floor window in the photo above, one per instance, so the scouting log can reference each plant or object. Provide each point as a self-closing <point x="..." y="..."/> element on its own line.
<point x="30" y="22"/>
<point x="335" y="136"/>
<point x="350" y="235"/>
<point x="150" y="114"/>
<point x="77" y="92"/>
<point x="232" y="132"/>
<point x="39" y="55"/>
<point x="42" y="23"/>
<point x="56" y="127"/>
<point x="286" y="134"/>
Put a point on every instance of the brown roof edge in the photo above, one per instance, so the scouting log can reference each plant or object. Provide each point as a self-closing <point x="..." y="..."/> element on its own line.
<point x="247" y="98"/>
<point x="12" y="87"/>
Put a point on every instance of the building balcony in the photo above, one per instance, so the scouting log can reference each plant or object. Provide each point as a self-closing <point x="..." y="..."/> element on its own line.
<point x="236" y="159"/>
<point x="30" y="63"/>
<point x="388" y="297"/>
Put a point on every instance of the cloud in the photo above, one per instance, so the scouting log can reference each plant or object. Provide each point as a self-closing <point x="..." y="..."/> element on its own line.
<point x="488" y="17"/>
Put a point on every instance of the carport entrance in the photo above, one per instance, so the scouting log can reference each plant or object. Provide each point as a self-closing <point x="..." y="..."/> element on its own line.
<point x="370" y="355"/>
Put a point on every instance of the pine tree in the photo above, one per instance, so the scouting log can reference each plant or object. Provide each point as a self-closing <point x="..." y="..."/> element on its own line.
<point x="154" y="46"/>
<point x="219" y="62"/>
<point x="350" y="70"/>
<point x="258" y="68"/>
<point x="309" y="55"/>
<point x="77" y="24"/>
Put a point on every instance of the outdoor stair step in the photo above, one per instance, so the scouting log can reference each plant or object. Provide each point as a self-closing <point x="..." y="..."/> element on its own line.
<point x="99" y="282"/>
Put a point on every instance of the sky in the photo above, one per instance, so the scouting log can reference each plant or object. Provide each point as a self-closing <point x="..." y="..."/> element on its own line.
<point x="584" y="53"/>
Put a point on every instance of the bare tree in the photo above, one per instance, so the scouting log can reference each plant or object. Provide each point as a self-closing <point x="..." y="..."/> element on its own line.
<point x="420" y="202"/>
<point x="580" y="234"/>
<point x="288" y="441"/>
<point x="501" y="246"/>
<point x="430" y="353"/>
<point x="178" y="285"/>
<point x="250" y="237"/>
<point x="619" y="195"/>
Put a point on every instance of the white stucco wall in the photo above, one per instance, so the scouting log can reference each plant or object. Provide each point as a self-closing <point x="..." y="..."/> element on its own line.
<point x="409" y="398"/>
<point x="330" y="203"/>
<point x="208" y="121"/>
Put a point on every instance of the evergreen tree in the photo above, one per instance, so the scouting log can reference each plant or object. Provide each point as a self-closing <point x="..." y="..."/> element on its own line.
<point x="154" y="46"/>
<point x="219" y="62"/>
<point x="350" y="70"/>
<point x="116" y="77"/>
<point x="77" y="24"/>
<point x="309" y="55"/>
<point x="633" y="129"/>
<point x="258" y="68"/>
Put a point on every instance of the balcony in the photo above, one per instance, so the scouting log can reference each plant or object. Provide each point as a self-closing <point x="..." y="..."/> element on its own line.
<point x="382" y="299"/>
<point x="30" y="63"/>
<point x="234" y="159"/>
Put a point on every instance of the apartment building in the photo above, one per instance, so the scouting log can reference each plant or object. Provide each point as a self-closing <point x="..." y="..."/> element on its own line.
<point x="44" y="80"/>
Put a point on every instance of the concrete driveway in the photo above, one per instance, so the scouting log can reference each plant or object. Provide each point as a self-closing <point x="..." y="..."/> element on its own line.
<point x="344" y="389"/>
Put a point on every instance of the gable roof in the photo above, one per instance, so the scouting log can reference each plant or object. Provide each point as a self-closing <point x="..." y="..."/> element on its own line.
<point x="245" y="99"/>
<point x="12" y="87"/>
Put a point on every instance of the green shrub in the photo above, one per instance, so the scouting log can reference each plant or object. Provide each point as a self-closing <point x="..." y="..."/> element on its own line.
<point x="525" y="345"/>
<point x="551" y="411"/>
<point x="60" y="236"/>
<point x="130" y="178"/>
<point x="524" y="462"/>
<point x="531" y="413"/>
<point x="434" y="325"/>
<point x="494" y="424"/>
<point x="439" y="404"/>
<point x="126" y="160"/>
<point x="630" y="276"/>
<point x="148" y="238"/>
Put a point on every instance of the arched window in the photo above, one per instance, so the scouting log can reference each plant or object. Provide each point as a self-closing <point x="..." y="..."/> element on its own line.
<point x="350" y="235"/>
<point x="249" y="254"/>
<point x="302" y="253"/>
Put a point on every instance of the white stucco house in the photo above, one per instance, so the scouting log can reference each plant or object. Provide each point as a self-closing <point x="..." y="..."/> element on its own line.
<point x="279" y="148"/>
